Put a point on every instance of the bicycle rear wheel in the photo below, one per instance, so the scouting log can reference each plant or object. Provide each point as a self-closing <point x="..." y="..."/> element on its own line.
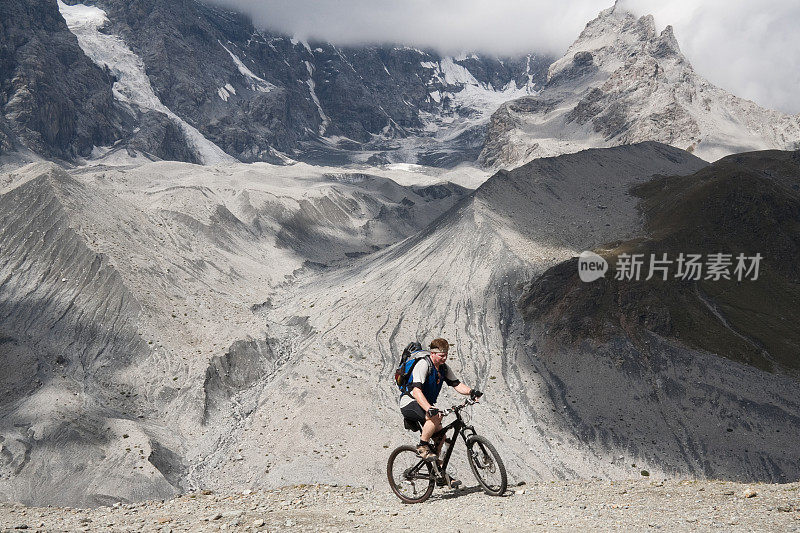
<point x="487" y="466"/>
<point x="411" y="478"/>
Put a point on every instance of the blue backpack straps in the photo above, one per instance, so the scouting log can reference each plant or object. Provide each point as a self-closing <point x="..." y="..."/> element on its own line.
<point x="403" y="372"/>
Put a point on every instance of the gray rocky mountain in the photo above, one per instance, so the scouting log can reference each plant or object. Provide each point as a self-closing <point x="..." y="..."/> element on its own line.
<point x="657" y="343"/>
<point x="547" y="402"/>
<point x="128" y="299"/>
<point x="197" y="83"/>
<point x="170" y="326"/>
<point x="623" y="82"/>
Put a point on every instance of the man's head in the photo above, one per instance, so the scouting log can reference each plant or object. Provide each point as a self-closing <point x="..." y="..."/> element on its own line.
<point x="439" y="349"/>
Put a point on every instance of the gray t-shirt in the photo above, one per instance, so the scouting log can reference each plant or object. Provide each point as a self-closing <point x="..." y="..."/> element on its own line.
<point x="420" y="373"/>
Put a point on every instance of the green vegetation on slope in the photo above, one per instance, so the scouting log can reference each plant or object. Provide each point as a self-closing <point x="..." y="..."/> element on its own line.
<point x="745" y="203"/>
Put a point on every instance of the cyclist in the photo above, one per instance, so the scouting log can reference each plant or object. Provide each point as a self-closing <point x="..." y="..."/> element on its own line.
<point x="425" y="383"/>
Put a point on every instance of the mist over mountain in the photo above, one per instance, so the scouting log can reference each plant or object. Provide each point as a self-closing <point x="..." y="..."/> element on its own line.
<point x="193" y="82"/>
<point x="748" y="49"/>
<point x="197" y="83"/>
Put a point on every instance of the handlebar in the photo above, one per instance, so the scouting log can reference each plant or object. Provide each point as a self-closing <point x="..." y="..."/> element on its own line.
<point x="456" y="408"/>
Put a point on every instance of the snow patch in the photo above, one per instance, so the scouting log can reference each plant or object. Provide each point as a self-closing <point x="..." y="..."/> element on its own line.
<point x="529" y="74"/>
<point x="295" y="41"/>
<point x="455" y="74"/>
<point x="311" y="88"/>
<point x="407" y="167"/>
<point x="448" y="72"/>
<point x="417" y="50"/>
<point x="471" y="101"/>
<point x="465" y="107"/>
<point x="256" y="83"/>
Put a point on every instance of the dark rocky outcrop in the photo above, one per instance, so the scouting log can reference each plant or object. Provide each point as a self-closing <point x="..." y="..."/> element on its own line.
<point x="54" y="100"/>
<point x="159" y="136"/>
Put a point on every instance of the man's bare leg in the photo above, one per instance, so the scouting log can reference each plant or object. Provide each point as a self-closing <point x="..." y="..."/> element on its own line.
<point x="431" y="426"/>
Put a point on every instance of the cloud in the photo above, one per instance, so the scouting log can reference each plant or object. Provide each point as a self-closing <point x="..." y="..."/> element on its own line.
<point x="502" y="26"/>
<point x="749" y="48"/>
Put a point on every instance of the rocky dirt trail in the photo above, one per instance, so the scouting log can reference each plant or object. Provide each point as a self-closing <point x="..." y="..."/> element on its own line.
<point x="577" y="505"/>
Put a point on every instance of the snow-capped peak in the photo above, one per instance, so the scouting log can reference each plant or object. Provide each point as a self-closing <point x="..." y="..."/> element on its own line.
<point x="613" y="37"/>
<point x="623" y="82"/>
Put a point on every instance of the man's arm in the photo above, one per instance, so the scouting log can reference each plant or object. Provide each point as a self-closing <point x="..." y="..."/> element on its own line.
<point x="453" y="381"/>
<point x="463" y="388"/>
<point x="418" y="395"/>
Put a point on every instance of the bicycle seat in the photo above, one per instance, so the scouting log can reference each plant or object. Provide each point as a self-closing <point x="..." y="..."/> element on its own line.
<point x="412" y="425"/>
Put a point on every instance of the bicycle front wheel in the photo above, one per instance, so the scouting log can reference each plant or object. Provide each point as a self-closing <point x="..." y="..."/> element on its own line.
<point x="487" y="466"/>
<point x="411" y="478"/>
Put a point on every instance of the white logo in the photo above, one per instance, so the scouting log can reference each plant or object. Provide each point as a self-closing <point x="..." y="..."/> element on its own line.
<point x="591" y="266"/>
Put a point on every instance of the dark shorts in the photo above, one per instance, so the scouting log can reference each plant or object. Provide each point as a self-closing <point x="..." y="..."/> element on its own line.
<point x="413" y="412"/>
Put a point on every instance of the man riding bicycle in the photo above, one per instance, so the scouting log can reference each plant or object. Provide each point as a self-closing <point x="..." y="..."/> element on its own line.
<point x="417" y="402"/>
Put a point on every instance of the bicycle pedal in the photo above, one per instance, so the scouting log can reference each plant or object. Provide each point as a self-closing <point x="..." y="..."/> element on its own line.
<point x="447" y="481"/>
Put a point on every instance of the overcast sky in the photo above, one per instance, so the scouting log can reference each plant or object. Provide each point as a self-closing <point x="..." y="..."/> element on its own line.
<point x="749" y="48"/>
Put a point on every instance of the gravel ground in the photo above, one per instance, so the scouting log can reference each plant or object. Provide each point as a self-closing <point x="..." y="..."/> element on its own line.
<point x="619" y="505"/>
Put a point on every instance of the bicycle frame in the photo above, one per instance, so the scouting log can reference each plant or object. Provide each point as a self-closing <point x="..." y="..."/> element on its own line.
<point x="461" y="428"/>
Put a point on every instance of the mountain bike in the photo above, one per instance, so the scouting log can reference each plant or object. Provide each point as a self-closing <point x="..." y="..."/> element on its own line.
<point x="413" y="479"/>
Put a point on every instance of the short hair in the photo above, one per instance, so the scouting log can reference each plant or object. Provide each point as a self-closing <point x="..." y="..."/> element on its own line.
<point x="440" y="345"/>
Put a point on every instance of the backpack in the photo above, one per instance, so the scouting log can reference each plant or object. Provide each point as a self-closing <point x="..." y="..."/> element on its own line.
<point x="407" y="361"/>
